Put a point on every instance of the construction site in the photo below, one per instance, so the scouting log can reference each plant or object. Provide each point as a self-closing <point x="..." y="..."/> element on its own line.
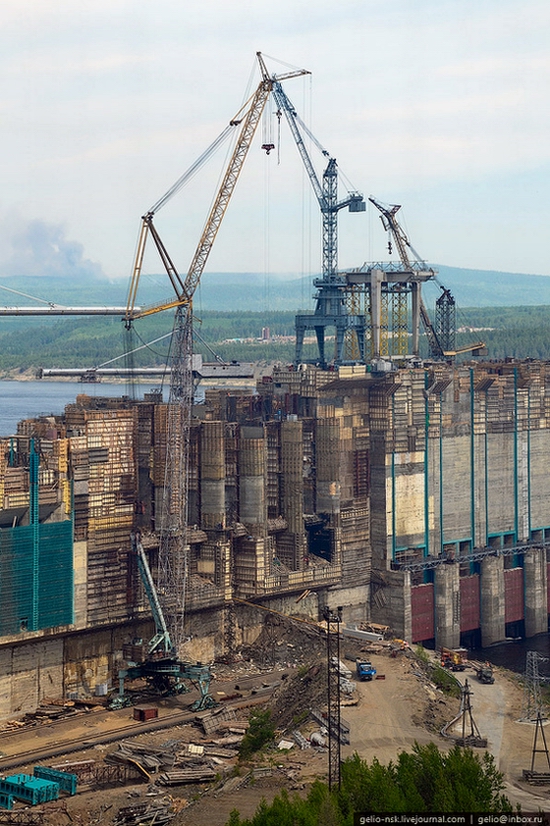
<point x="416" y="500"/>
<point x="389" y="477"/>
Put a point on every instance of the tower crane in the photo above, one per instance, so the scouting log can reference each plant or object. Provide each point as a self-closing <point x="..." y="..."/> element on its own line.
<point x="330" y="310"/>
<point x="173" y="546"/>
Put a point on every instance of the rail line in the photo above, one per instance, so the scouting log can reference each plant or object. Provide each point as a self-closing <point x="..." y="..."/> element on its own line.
<point x="49" y="751"/>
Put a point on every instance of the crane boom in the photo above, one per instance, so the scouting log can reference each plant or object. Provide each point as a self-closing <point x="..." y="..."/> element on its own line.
<point x="162" y="635"/>
<point x="173" y="549"/>
<point x="227" y="187"/>
<point x="391" y="225"/>
<point x="247" y="118"/>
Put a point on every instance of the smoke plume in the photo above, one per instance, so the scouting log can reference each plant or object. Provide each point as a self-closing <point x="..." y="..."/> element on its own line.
<point x="37" y="248"/>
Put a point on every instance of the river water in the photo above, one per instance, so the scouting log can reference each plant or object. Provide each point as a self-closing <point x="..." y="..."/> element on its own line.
<point x="513" y="655"/>
<point x="27" y="399"/>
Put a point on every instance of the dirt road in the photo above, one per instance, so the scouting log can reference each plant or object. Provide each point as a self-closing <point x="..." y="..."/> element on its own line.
<point x="389" y="716"/>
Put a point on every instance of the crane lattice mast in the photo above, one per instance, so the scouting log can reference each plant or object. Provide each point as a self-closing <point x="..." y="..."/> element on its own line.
<point x="331" y="310"/>
<point x="173" y="547"/>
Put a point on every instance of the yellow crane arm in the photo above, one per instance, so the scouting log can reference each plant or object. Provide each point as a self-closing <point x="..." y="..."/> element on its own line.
<point x="247" y="118"/>
<point x="248" y="129"/>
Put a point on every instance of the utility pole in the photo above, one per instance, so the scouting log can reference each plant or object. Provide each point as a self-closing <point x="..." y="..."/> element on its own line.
<point x="333" y="694"/>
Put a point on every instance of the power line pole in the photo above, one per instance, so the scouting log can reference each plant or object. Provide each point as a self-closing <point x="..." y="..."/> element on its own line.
<point x="333" y="694"/>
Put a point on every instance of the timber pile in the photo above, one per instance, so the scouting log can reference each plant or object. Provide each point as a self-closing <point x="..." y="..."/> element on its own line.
<point x="212" y="720"/>
<point x="179" y="777"/>
<point x="144" y="814"/>
<point x="536" y="778"/>
<point x="149" y="758"/>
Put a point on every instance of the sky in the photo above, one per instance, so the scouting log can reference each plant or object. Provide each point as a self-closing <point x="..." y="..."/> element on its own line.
<point x="441" y="106"/>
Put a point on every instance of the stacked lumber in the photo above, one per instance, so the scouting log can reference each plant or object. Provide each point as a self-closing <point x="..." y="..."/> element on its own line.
<point x="181" y="776"/>
<point x="144" y="814"/>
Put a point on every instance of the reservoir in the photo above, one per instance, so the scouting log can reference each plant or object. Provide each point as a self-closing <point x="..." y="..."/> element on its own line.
<point x="28" y="399"/>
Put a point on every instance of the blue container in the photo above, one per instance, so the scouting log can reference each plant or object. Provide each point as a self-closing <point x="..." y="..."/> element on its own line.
<point x="67" y="782"/>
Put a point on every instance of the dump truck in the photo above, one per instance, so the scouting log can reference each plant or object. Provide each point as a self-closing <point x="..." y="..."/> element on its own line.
<point x="365" y="670"/>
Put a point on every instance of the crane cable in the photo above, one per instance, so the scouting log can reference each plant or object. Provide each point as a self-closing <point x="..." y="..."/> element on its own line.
<point x="194" y="168"/>
<point x="201" y="160"/>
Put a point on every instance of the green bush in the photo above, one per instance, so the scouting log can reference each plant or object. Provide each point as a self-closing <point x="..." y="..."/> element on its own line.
<point x="423" y="780"/>
<point x="445" y="681"/>
<point x="261" y="730"/>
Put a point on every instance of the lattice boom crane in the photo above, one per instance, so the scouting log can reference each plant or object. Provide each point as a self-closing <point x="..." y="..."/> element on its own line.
<point x="173" y="549"/>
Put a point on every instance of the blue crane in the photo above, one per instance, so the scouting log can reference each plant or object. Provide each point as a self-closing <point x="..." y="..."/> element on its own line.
<point x="332" y="288"/>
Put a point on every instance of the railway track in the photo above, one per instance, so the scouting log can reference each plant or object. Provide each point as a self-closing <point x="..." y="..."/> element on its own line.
<point x="70" y="746"/>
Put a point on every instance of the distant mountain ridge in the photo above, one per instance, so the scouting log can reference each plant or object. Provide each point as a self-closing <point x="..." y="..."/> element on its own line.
<point x="233" y="292"/>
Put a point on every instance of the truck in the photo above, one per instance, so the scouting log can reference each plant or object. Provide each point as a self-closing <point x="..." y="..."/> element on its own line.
<point x="454" y="659"/>
<point x="365" y="670"/>
<point x="485" y="674"/>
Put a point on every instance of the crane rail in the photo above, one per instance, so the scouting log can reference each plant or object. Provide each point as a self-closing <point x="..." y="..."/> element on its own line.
<point x="477" y="555"/>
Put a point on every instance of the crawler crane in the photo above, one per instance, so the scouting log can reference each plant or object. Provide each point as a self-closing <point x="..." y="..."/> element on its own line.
<point x="173" y="546"/>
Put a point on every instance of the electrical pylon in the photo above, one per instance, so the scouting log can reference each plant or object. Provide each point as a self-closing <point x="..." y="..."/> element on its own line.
<point x="532" y="705"/>
<point x="333" y="690"/>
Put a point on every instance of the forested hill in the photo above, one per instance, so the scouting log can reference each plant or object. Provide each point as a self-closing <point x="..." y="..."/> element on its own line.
<point x="490" y="288"/>
<point x="257" y="292"/>
<point x="511" y="316"/>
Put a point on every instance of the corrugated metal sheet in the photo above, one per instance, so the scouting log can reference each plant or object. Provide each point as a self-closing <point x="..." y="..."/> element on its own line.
<point x="422" y="606"/>
<point x="513" y="593"/>
<point x="470" y="614"/>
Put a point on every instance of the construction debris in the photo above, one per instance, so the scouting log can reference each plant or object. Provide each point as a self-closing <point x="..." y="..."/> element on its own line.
<point x="145" y="814"/>
<point x="179" y="777"/>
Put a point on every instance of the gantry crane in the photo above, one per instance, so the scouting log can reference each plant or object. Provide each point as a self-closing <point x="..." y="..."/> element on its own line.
<point x="330" y="310"/>
<point x="389" y="222"/>
<point x="441" y="338"/>
<point x="173" y="548"/>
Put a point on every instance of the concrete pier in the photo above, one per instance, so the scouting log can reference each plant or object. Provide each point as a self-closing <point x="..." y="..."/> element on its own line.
<point x="447" y="606"/>
<point x="212" y="475"/>
<point x="328" y="466"/>
<point x="536" y="592"/>
<point x="492" y="600"/>
<point x="252" y="471"/>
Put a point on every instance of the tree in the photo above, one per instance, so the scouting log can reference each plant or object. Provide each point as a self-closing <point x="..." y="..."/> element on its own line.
<point x="261" y="730"/>
<point x="423" y="780"/>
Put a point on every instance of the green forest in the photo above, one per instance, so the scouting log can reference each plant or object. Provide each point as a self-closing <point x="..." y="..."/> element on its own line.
<point x="87" y="342"/>
<point x="419" y="782"/>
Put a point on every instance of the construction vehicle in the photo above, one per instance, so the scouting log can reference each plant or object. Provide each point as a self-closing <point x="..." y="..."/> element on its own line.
<point x="485" y="673"/>
<point x="454" y="659"/>
<point x="365" y="670"/>
<point x="161" y="666"/>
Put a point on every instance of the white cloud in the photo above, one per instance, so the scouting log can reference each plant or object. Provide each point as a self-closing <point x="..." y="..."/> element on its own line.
<point x="107" y="102"/>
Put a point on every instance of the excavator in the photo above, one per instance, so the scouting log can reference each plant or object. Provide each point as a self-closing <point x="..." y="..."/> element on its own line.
<point x="162" y="668"/>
